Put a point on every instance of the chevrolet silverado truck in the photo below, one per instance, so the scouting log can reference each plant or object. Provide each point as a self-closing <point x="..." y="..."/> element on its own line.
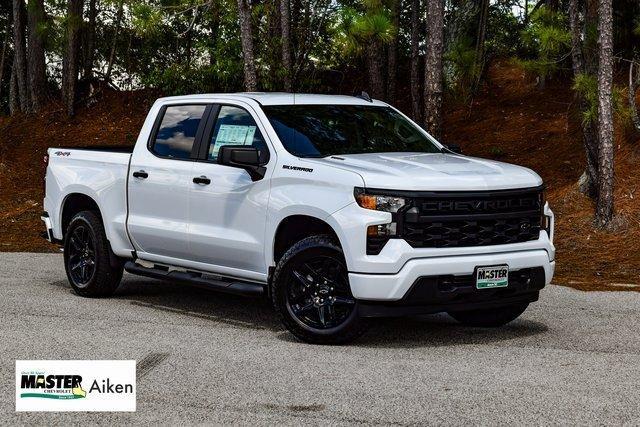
<point x="336" y="208"/>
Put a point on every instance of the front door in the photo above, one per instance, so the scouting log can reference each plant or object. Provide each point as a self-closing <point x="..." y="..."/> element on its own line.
<point x="159" y="184"/>
<point x="228" y="210"/>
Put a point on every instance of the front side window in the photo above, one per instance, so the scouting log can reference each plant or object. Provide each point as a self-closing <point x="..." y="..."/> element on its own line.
<point x="177" y="131"/>
<point x="235" y="126"/>
<point x="325" y="130"/>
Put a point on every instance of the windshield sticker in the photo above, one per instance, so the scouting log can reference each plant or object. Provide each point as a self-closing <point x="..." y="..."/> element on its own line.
<point x="233" y="135"/>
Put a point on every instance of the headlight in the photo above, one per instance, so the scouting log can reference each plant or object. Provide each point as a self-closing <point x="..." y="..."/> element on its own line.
<point x="378" y="203"/>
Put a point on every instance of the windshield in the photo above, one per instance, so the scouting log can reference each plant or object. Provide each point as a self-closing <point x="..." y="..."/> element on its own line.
<point x="325" y="130"/>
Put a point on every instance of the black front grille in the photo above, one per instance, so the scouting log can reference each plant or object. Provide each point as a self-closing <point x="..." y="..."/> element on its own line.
<point x="473" y="219"/>
<point x="461" y="219"/>
<point x="485" y="232"/>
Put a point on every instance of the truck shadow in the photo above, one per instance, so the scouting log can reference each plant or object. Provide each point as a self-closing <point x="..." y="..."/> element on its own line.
<point x="441" y="330"/>
<point x="257" y="314"/>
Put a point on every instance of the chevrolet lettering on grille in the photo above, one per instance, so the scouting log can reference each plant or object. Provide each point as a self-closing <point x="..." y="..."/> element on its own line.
<point x="479" y="205"/>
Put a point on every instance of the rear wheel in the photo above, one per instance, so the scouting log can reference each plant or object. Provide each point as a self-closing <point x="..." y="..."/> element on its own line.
<point x="310" y="292"/>
<point x="490" y="318"/>
<point x="91" y="267"/>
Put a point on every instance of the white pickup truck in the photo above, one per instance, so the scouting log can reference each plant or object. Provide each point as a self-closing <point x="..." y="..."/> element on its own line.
<point x="337" y="208"/>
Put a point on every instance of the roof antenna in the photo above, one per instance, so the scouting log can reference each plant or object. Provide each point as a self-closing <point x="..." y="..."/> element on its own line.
<point x="363" y="95"/>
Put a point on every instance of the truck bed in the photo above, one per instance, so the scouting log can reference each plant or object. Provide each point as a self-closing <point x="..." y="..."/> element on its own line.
<point x="99" y="172"/>
<point x="104" y="148"/>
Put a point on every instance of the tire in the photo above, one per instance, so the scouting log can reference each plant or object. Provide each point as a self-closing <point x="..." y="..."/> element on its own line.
<point x="92" y="269"/>
<point x="490" y="318"/>
<point x="310" y="293"/>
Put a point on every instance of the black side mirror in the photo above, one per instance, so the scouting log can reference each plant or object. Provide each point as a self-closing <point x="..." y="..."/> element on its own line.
<point x="241" y="156"/>
<point x="455" y="148"/>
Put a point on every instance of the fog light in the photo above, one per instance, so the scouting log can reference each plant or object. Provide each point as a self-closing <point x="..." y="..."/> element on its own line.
<point x="381" y="230"/>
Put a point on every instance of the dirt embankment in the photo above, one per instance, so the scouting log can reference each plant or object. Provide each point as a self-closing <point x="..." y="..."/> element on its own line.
<point x="113" y="120"/>
<point x="510" y="121"/>
<point x="513" y="121"/>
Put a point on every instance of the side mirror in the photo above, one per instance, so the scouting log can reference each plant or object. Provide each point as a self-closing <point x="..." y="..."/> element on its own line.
<point x="243" y="157"/>
<point x="455" y="148"/>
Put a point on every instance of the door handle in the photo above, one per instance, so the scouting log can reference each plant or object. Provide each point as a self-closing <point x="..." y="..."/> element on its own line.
<point x="203" y="180"/>
<point x="140" y="174"/>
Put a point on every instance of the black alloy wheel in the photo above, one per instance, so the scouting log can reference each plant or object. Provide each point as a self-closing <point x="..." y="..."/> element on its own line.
<point x="318" y="293"/>
<point x="82" y="256"/>
<point x="92" y="268"/>
<point x="310" y="292"/>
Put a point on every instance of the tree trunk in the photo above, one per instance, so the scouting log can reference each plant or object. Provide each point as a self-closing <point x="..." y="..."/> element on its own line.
<point x="433" y="67"/>
<point x="214" y="28"/>
<point x="3" y="58"/>
<point x="285" y="28"/>
<point x="71" y="57"/>
<point x="480" y="40"/>
<point x="20" y="56"/>
<point x="392" y="60"/>
<point x="89" y="41"/>
<point x="374" y="68"/>
<point x="589" y="136"/>
<point x="246" y="37"/>
<point x="632" y="98"/>
<point x="14" y="102"/>
<point x="189" y="41"/>
<point x="415" y="62"/>
<point x="36" y="63"/>
<point x="604" y="210"/>
<point x="577" y="61"/>
<point x="114" y="42"/>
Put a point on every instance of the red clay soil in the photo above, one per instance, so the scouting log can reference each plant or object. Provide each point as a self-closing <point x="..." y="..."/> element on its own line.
<point x="114" y="119"/>
<point x="515" y="122"/>
<point x="510" y="120"/>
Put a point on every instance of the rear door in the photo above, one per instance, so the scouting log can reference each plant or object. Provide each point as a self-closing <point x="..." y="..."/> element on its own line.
<point x="160" y="178"/>
<point x="228" y="210"/>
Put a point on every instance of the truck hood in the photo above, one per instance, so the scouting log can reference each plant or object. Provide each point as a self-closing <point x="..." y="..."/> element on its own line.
<point x="433" y="172"/>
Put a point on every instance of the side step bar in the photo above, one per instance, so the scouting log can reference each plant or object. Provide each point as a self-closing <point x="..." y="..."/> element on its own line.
<point x="192" y="278"/>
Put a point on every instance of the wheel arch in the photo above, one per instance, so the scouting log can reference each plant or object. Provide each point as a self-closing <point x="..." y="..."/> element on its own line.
<point x="294" y="228"/>
<point x="74" y="203"/>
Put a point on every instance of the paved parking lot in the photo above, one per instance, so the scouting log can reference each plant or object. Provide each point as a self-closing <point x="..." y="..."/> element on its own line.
<point x="209" y="358"/>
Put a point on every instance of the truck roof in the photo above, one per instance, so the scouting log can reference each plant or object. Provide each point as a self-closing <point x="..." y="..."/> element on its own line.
<point x="281" y="98"/>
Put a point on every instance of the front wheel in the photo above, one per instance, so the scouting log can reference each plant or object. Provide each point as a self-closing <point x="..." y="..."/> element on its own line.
<point x="311" y="294"/>
<point x="490" y="318"/>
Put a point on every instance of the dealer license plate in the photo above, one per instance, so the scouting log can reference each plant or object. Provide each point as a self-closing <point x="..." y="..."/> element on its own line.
<point x="496" y="276"/>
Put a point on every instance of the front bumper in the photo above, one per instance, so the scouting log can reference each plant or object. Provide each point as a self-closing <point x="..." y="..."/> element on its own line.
<point x="446" y="293"/>
<point x="395" y="287"/>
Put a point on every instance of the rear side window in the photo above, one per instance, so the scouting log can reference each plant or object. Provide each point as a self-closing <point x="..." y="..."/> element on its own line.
<point x="235" y="126"/>
<point x="177" y="131"/>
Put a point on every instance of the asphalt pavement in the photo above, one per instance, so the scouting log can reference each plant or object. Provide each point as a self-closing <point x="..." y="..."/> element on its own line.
<point x="203" y="357"/>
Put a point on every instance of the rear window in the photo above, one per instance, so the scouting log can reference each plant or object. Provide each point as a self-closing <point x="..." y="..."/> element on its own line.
<point x="177" y="131"/>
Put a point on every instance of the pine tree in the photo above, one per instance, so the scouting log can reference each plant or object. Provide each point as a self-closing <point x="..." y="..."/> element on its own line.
<point x="71" y="58"/>
<point x="415" y="61"/>
<point x="20" y="57"/>
<point x="248" y="54"/>
<point x="35" y="61"/>
<point x="604" y="209"/>
<point x="433" y="67"/>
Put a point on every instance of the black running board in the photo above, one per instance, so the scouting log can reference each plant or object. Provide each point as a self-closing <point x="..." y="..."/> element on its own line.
<point x="192" y="278"/>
